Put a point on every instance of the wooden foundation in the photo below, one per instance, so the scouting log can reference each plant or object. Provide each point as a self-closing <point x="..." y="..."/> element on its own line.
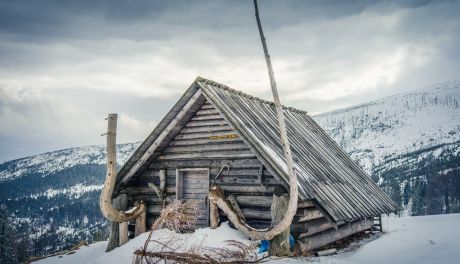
<point x="331" y="235"/>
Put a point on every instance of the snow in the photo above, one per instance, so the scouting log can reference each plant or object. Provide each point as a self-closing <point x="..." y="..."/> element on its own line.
<point x="376" y="132"/>
<point x="422" y="239"/>
<point x="75" y="191"/>
<point x="55" y="161"/>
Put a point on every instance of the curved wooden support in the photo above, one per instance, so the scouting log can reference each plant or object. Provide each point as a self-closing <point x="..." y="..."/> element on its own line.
<point x="217" y="197"/>
<point x="105" y="201"/>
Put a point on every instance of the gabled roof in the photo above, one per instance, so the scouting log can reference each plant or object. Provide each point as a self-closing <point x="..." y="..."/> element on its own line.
<point x="325" y="172"/>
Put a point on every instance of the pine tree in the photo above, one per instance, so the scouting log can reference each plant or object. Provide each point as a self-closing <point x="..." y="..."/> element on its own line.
<point x="7" y="244"/>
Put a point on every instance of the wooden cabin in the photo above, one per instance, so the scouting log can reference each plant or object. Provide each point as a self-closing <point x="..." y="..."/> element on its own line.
<point x="213" y="128"/>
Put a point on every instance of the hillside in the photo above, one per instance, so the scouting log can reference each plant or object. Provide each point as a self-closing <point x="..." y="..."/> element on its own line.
<point x="409" y="144"/>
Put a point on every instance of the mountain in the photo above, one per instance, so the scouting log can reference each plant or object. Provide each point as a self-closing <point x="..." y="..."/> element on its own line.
<point x="52" y="198"/>
<point x="409" y="144"/>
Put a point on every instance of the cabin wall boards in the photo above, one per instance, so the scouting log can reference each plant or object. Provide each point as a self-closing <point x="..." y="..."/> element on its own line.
<point x="194" y="157"/>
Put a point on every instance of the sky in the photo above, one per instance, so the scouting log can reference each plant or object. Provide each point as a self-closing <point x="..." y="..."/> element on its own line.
<point x="64" y="65"/>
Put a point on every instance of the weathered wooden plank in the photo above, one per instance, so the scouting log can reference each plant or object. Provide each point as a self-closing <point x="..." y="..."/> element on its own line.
<point x="206" y="123"/>
<point x="305" y="204"/>
<point x="208" y="117"/>
<point x="236" y="207"/>
<point x="208" y="135"/>
<point x="212" y="163"/>
<point x="179" y="185"/>
<point x="205" y="147"/>
<point x="141" y="224"/>
<point x="249" y="189"/>
<point x="233" y="172"/>
<point x="254" y="200"/>
<point x="207" y="112"/>
<point x="254" y="213"/>
<point x="235" y="154"/>
<point x="204" y="129"/>
<point x="310" y="214"/>
<point x="205" y="140"/>
<point x="331" y="235"/>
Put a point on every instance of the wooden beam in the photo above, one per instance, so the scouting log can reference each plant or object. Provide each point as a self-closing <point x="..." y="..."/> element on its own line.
<point x="310" y="214"/>
<point x="141" y="225"/>
<point x="279" y="245"/>
<point x="236" y="207"/>
<point x="329" y="236"/>
<point x="123" y="226"/>
<point x="213" y="215"/>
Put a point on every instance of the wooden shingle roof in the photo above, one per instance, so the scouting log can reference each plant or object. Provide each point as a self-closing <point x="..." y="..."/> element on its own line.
<point x="325" y="172"/>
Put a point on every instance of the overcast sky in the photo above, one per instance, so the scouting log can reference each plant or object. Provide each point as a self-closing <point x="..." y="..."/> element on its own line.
<point x="64" y="65"/>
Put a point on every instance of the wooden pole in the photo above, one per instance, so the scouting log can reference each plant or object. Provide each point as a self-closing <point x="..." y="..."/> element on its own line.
<point x="213" y="215"/>
<point x="105" y="201"/>
<point x="114" y="238"/>
<point x="141" y="225"/>
<point x="293" y="191"/>
<point x="279" y="245"/>
<point x="123" y="226"/>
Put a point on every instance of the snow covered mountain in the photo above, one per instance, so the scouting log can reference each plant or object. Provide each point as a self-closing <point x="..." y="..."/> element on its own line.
<point x="53" y="197"/>
<point x="408" y="143"/>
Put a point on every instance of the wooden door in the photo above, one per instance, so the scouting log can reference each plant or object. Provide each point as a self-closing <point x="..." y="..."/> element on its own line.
<point x="193" y="184"/>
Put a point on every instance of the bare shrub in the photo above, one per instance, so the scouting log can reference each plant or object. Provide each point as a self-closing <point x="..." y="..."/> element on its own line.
<point x="181" y="216"/>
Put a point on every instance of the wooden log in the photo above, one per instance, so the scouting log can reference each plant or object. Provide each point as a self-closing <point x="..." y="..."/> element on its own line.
<point x="251" y="213"/>
<point x="291" y="208"/>
<point x="141" y="224"/>
<point x="305" y="204"/>
<point x="310" y="214"/>
<point x="123" y="233"/>
<point x="329" y="236"/>
<point x="105" y="200"/>
<point x="123" y="226"/>
<point x="236" y="207"/>
<point x="279" y="245"/>
<point x="214" y="216"/>
<point x="316" y="226"/>
<point x="254" y="200"/>
<point x="233" y="154"/>
<point x="114" y="237"/>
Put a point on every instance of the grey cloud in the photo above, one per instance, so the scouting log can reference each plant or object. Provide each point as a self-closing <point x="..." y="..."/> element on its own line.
<point x="83" y="59"/>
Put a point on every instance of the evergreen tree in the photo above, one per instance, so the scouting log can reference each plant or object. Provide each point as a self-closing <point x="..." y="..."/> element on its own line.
<point x="7" y="244"/>
<point x="418" y="198"/>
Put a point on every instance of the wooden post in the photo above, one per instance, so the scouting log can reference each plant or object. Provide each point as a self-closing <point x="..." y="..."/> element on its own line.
<point x="114" y="238"/>
<point x="123" y="226"/>
<point x="141" y="225"/>
<point x="105" y="201"/>
<point x="286" y="221"/>
<point x="213" y="215"/>
<point x="279" y="245"/>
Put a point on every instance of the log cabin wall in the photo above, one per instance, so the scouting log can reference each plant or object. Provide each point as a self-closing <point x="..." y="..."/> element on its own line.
<point x="208" y="141"/>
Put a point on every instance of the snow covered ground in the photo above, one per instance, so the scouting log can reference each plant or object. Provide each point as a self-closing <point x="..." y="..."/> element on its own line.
<point x="423" y="239"/>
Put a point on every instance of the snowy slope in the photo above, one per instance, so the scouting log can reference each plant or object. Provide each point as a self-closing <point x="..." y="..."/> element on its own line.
<point x="378" y="131"/>
<point x="423" y="239"/>
<point x="55" y="161"/>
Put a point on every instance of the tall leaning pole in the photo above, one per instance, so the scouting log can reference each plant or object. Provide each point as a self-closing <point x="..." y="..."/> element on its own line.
<point x="288" y="216"/>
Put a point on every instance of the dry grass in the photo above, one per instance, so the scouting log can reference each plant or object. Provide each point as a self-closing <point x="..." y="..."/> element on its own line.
<point x="180" y="217"/>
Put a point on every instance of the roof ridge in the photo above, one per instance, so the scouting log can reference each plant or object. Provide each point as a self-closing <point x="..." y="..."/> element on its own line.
<point x="243" y="94"/>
